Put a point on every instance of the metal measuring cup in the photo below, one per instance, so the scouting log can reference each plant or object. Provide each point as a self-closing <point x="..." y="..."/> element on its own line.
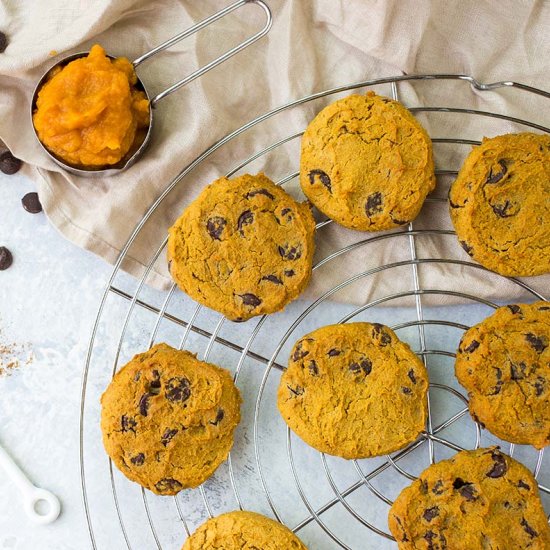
<point x="136" y="151"/>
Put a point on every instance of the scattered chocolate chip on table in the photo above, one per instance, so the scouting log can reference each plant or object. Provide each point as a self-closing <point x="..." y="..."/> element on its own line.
<point x="6" y="258"/>
<point x="8" y="163"/>
<point x="31" y="203"/>
<point x="3" y="42"/>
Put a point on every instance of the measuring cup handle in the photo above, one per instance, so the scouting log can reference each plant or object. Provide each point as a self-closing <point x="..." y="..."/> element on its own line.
<point x="218" y="60"/>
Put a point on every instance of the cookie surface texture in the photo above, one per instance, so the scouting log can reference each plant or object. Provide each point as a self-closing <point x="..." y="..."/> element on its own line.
<point x="242" y="531"/>
<point x="367" y="163"/>
<point x="500" y="204"/>
<point x="244" y="247"/>
<point x="504" y="363"/>
<point x="477" y="499"/>
<point x="354" y="390"/>
<point x="168" y="419"/>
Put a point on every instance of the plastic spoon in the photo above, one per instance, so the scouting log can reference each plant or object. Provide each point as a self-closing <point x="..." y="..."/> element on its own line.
<point x="33" y="496"/>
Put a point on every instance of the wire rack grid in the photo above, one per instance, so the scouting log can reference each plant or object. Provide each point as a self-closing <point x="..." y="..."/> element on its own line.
<point x="328" y="502"/>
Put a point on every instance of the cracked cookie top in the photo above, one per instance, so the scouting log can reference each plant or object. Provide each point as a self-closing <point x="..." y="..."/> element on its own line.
<point x="244" y="247"/>
<point x="367" y="163"/>
<point x="354" y="390"/>
<point x="500" y="204"/>
<point x="476" y="499"/>
<point x="242" y="531"/>
<point x="504" y="363"/>
<point x="168" y="419"/>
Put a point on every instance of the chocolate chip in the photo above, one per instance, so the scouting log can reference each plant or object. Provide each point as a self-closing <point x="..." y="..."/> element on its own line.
<point x="498" y="373"/>
<point x="298" y="352"/>
<point x="313" y="368"/>
<point x="544" y="308"/>
<point x="219" y="418"/>
<point x="467" y="248"/>
<point x="429" y="537"/>
<point x="127" y="424"/>
<point x="364" y="366"/>
<point x="378" y="331"/>
<point x="250" y="299"/>
<point x="3" y="42"/>
<point x="246" y="218"/>
<point x="272" y="279"/>
<point x="514" y="308"/>
<point x="264" y="192"/>
<point x="411" y="375"/>
<point x="423" y="486"/>
<point x="499" y="467"/>
<point x="178" y="389"/>
<point x="138" y="460"/>
<point x="154" y="387"/>
<point x="31" y="203"/>
<point x="215" y="227"/>
<point x="497" y="388"/>
<point x="539" y="386"/>
<point x="289" y="272"/>
<point x="285" y="211"/>
<point x="406" y="391"/>
<point x="288" y="252"/>
<point x="437" y="488"/>
<point x="168" y="485"/>
<point x="474" y="344"/>
<point x="9" y="164"/>
<point x="430" y="513"/>
<point x="6" y="259"/>
<point x="538" y="343"/>
<point x="528" y="529"/>
<point x="517" y="372"/>
<point x="144" y="404"/>
<point x="333" y="352"/>
<point x="501" y="210"/>
<point x="465" y="489"/>
<point x="523" y="485"/>
<point x="323" y="178"/>
<point x="495" y="178"/>
<point x="168" y="435"/>
<point x="373" y="204"/>
<point x="298" y="390"/>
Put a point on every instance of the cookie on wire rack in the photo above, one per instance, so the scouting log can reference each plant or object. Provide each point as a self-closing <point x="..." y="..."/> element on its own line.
<point x="354" y="390"/>
<point x="367" y="163"/>
<point x="242" y="531"/>
<point x="168" y="419"/>
<point x="244" y="247"/>
<point x="500" y="204"/>
<point x="476" y="499"/>
<point x="504" y="363"/>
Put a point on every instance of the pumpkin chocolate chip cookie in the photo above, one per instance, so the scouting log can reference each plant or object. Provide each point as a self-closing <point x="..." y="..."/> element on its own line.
<point x="367" y="163"/>
<point x="354" y="390"/>
<point x="242" y="531"/>
<point x="477" y="499"/>
<point x="168" y="419"/>
<point x="504" y="363"/>
<point x="500" y="204"/>
<point x="244" y="247"/>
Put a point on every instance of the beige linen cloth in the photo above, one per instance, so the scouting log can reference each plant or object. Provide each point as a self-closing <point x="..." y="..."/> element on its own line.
<point x="313" y="45"/>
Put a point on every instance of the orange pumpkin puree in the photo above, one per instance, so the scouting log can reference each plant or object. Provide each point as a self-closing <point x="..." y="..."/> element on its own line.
<point x="88" y="112"/>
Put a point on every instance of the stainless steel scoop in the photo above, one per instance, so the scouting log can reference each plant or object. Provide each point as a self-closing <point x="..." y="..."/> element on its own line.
<point x="134" y="153"/>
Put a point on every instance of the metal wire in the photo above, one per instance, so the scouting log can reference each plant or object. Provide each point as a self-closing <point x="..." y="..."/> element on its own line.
<point x="315" y="513"/>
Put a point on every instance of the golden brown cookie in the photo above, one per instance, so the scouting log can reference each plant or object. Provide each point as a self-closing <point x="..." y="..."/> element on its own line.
<point x="479" y="499"/>
<point x="168" y="419"/>
<point x="244" y="247"/>
<point x="367" y="163"/>
<point x="242" y="531"/>
<point x="504" y="363"/>
<point x="354" y="390"/>
<point x="500" y="204"/>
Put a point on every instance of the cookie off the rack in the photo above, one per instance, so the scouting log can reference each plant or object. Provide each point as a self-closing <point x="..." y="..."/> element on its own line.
<point x="354" y="390"/>
<point x="476" y="499"/>
<point x="168" y="419"/>
<point x="243" y="530"/>
<point x="504" y="363"/>
<point x="500" y="204"/>
<point x="367" y="163"/>
<point x="244" y="247"/>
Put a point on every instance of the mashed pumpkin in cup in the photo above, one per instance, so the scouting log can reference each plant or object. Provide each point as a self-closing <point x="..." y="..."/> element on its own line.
<point x="89" y="112"/>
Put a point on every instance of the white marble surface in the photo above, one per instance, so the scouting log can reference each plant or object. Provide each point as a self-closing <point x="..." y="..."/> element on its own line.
<point x="49" y="299"/>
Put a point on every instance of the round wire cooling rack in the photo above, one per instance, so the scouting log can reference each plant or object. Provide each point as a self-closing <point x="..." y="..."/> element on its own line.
<point x="329" y="502"/>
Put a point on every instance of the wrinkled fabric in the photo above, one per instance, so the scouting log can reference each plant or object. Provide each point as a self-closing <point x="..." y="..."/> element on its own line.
<point x="312" y="46"/>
